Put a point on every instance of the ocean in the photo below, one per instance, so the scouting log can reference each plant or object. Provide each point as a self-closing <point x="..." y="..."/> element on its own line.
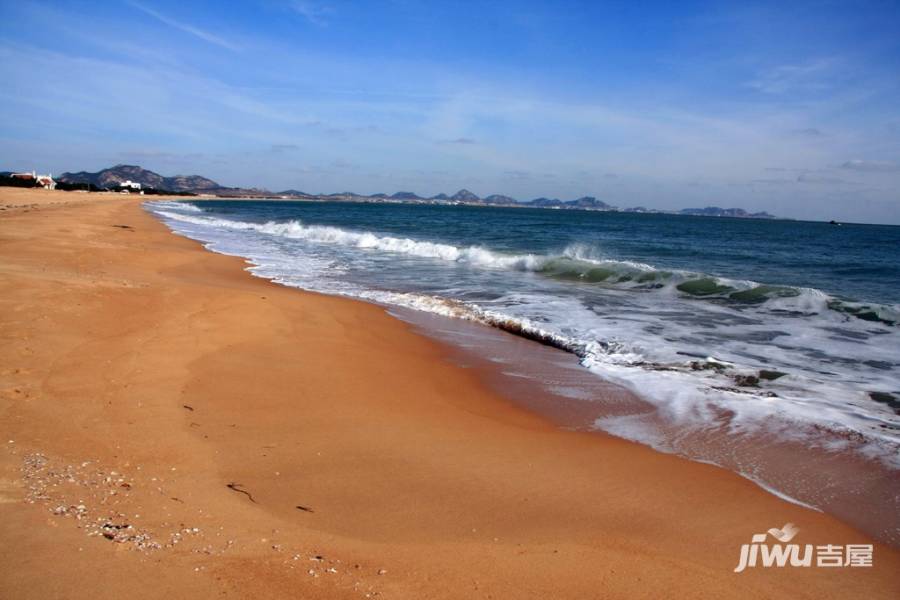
<point x="746" y="341"/>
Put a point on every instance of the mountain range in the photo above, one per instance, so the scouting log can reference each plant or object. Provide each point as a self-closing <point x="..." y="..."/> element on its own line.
<point x="195" y="184"/>
<point x="715" y="211"/>
<point x="115" y="176"/>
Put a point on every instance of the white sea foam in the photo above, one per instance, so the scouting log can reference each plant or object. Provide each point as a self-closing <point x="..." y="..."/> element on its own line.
<point x="578" y="261"/>
<point x="177" y="205"/>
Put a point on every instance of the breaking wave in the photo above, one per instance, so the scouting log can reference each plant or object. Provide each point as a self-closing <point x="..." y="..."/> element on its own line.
<point x="576" y="263"/>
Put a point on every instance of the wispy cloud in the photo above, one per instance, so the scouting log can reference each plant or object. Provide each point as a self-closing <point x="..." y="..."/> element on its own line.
<point x="460" y="140"/>
<point x="185" y="27"/>
<point x="823" y="179"/>
<point x="515" y="174"/>
<point x="160" y="156"/>
<point x="774" y="181"/>
<point x="871" y="166"/>
<point x="278" y="148"/>
<point x="811" y="132"/>
<point x="314" y="12"/>
<point x="342" y="164"/>
<point x="808" y="76"/>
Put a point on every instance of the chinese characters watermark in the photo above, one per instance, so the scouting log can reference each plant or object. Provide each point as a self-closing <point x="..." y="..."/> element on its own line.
<point x="794" y="555"/>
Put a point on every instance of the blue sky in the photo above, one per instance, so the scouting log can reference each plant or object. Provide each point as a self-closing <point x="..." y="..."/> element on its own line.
<point x="789" y="107"/>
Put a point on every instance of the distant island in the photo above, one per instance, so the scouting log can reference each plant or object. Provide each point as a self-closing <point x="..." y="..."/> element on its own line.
<point x="132" y="178"/>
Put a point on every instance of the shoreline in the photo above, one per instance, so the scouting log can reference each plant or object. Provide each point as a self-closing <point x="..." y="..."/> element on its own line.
<point x="549" y="377"/>
<point x="304" y="400"/>
<point x="780" y="467"/>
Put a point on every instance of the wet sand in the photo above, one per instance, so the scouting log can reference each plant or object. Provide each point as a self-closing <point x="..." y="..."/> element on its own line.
<point x="174" y="426"/>
<point x="861" y="491"/>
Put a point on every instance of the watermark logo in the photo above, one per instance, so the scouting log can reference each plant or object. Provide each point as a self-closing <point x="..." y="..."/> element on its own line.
<point x="760" y="553"/>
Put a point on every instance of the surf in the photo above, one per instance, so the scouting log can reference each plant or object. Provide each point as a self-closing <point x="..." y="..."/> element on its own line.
<point x="576" y="263"/>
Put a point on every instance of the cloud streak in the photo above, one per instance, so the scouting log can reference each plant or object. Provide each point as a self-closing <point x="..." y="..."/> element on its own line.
<point x="313" y="12"/>
<point x="461" y="140"/>
<point x="782" y="79"/>
<point x="279" y="148"/>
<point x="871" y="166"/>
<point x="185" y="27"/>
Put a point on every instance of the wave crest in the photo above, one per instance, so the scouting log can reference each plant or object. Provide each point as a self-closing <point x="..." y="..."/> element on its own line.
<point x="577" y="262"/>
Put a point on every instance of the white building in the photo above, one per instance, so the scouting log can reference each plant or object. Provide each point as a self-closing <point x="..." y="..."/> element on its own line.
<point x="130" y="184"/>
<point x="44" y="181"/>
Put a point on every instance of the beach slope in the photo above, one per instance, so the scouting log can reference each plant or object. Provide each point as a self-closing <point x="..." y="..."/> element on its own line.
<point x="172" y="426"/>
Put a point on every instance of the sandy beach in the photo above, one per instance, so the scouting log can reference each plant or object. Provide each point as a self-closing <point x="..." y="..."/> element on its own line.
<point x="174" y="427"/>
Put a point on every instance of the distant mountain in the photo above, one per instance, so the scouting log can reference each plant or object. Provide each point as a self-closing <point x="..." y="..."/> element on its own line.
<point x="406" y="196"/>
<point x="544" y="202"/>
<point x="464" y="195"/>
<point x="584" y="203"/>
<point x="715" y="211"/>
<point x="188" y="183"/>
<point x="587" y="202"/>
<point x="112" y="177"/>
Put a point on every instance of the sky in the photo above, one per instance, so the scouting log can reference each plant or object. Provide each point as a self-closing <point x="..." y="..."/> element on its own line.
<point x="788" y="107"/>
